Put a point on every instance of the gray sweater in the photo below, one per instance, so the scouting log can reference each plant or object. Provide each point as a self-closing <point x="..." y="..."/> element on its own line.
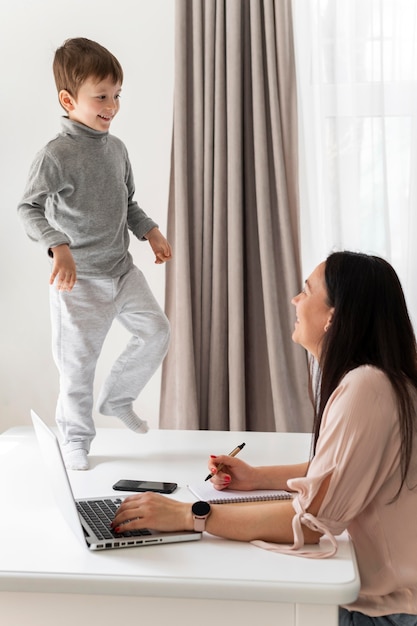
<point x="80" y="192"/>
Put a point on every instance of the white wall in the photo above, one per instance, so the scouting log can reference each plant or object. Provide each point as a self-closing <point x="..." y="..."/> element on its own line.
<point x="141" y="34"/>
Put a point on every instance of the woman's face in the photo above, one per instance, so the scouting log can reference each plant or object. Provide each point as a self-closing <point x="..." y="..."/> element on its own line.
<point x="313" y="314"/>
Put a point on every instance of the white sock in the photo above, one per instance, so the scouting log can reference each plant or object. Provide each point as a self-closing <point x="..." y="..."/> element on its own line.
<point x="132" y="421"/>
<point x="76" y="459"/>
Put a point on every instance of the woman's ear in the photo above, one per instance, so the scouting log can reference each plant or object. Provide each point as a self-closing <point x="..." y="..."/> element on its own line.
<point x="329" y="320"/>
<point x="66" y="100"/>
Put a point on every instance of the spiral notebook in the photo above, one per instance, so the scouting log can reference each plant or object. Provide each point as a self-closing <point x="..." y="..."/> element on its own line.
<point x="206" y="492"/>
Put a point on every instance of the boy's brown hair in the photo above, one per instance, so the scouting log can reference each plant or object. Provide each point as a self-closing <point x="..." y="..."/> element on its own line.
<point x="79" y="59"/>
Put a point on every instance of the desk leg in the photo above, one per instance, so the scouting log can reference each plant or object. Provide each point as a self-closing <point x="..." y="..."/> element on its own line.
<point x="316" y="615"/>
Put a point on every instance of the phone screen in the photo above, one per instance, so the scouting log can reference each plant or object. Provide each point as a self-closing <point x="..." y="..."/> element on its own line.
<point x="145" y="485"/>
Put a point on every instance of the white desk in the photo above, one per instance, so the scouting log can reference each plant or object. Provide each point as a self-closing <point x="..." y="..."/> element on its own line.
<point x="46" y="573"/>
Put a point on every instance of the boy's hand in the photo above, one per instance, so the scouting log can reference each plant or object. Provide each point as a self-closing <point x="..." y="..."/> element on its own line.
<point x="159" y="245"/>
<point x="63" y="268"/>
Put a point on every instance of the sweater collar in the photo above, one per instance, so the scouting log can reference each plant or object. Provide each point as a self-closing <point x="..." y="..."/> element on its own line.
<point x="75" y="128"/>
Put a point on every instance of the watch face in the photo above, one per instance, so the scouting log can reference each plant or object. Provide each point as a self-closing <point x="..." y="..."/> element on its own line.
<point x="201" y="508"/>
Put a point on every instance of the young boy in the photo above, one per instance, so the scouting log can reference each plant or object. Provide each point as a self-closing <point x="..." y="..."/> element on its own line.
<point x="78" y="204"/>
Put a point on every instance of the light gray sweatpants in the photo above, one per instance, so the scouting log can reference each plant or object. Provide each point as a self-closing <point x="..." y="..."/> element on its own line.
<point x="81" y="320"/>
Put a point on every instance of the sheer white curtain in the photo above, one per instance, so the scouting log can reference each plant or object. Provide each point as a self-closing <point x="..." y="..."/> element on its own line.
<point x="356" y="66"/>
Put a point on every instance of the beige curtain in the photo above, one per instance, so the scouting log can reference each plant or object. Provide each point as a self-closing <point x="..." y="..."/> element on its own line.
<point x="233" y="223"/>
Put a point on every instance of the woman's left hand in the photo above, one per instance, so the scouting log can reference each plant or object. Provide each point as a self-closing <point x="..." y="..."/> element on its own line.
<point x="152" y="510"/>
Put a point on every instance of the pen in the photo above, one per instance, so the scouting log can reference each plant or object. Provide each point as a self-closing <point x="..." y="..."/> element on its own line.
<point x="232" y="453"/>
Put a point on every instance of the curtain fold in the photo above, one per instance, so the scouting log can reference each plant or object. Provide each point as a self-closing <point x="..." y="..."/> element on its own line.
<point x="233" y="223"/>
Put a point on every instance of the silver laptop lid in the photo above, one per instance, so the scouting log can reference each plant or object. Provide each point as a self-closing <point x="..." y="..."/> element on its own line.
<point x="64" y="497"/>
<point x="58" y="477"/>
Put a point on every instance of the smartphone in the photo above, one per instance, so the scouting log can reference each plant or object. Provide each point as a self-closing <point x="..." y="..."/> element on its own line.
<point x="144" y="485"/>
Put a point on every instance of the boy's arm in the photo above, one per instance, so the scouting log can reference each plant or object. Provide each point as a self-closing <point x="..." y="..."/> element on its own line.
<point x="44" y="180"/>
<point x="137" y="220"/>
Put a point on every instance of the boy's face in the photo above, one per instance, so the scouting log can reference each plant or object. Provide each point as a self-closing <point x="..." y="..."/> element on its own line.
<point x="96" y="104"/>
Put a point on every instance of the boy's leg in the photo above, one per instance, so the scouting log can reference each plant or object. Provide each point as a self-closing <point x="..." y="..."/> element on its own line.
<point x="141" y="315"/>
<point x="80" y="322"/>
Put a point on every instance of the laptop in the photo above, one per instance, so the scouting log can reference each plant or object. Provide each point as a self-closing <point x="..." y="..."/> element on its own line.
<point x="89" y="518"/>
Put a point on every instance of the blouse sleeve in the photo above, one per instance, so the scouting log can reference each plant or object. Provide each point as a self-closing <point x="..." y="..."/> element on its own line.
<point x="358" y="446"/>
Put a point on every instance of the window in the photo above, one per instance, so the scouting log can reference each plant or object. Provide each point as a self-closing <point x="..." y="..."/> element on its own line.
<point x="357" y="99"/>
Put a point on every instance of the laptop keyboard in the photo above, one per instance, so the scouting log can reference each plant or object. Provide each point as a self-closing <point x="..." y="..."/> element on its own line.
<point x="99" y="514"/>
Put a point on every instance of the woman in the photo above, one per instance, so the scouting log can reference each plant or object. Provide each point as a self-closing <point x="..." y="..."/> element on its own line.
<point x="352" y="318"/>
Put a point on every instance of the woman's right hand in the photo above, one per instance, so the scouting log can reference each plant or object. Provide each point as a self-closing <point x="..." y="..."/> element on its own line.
<point x="234" y="473"/>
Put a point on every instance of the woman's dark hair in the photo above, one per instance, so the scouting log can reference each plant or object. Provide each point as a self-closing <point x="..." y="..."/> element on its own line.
<point x="370" y="326"/>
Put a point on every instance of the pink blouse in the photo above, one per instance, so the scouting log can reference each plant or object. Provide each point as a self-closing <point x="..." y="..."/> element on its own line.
<point x="359" y="445"/>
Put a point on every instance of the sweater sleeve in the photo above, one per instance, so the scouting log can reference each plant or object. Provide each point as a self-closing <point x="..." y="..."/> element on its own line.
<point x="43" y="186"/>
<point x="138" y="221"/>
